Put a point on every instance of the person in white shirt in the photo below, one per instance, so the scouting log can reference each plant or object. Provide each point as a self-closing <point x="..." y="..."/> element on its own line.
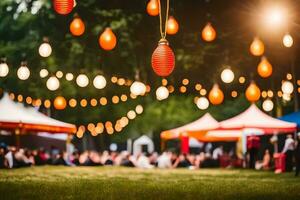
<point x="143" y="162"/>
<point x="164" y="160"/>
<point x="217" y="153"/>
<point x="288" y="150"/>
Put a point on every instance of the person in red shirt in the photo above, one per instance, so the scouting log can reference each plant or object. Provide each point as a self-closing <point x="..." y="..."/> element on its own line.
<point x="253" y="144"/>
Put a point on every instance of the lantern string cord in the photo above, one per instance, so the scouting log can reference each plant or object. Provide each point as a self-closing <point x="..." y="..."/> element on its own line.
<point x="163" y="33"/>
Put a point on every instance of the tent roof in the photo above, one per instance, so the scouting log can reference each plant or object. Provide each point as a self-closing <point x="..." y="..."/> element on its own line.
<point x="206" y="122"/>
<point x="253" y="117"/>
<point x="293" y="117"/>
<point x="15" y="115"/>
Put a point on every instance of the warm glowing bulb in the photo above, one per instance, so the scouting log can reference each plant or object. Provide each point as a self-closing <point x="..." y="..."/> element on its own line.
<point x="162" y="93"/>
<point x="287" y="87"/>
<point x="69" y="76"/>
<point x="172" y="26"/>
<point x="287" y="40"/>
<point x="45" y="49"/>
<point x="208" y="33"/>
<point x="82" y="80"/>
<point x="44" y="73"/>
<point x="268" y="105"/>
<point x="52" y="83"/>
<point x="23" y="73"/>
<point x="99" y="82"/>
<point x="257" y="47"/>
<point x="202" y="103"/>
<point x="138" y="88"/>
<point x="3" y="69"/>
<point x="227" y="76"/>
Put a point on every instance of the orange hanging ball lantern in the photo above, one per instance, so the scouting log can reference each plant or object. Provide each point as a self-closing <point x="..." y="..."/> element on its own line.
<point x="77" y="27"/>
<point x="216" y="96"/>
<point x="257" y="47"/>
<point x="107" y="40"/>
<point x="60" y="103"/>
<point x="163" y="59"/>
<point x="152" y="7"/>
<point x="63" y="7"/>
<point x="253" y="92"/>
<point x="264" y="68"/>
<point x="172" y="26"/>
<point x="208" y="33"/>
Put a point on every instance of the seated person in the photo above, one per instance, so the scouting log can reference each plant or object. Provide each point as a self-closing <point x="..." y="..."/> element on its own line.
<point x="265" y="163"/>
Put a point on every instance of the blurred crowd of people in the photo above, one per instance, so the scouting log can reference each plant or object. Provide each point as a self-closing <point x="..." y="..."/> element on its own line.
<point x="11" y="157"/>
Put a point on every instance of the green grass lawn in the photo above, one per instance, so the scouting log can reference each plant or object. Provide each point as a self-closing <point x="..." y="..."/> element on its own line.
<point x="52" y="182"/>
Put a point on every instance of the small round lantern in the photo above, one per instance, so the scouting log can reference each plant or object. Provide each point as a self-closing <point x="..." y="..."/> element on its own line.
<point x="253" y="92"/>
<point x="163" y="59"/>
<point x="257" y="47"/>
<point x="264" y="68"/>
<point x="60" y="103"/>
<point x="172" y="26"/>
<point x="216" y="96"/>
<point x="77" y="27"/>
<point x="152" y="8"/>
<point x="208" y="33"/>
<point x="107" y="40"/>
<point x="63" y="7"/>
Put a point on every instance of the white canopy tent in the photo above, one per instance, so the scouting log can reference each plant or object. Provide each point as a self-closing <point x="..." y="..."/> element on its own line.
<point x="15" y="116"/>
<point x="143" y="141"/>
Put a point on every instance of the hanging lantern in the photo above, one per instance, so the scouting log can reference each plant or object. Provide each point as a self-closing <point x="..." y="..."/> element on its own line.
<point x="153" y="7"/>
<point x="216" y="95"/>
<point x="63" y="7"/>
<point x="172" y="26"/>
<point x="162" y="93"/>
<point x="287" y="87"/>
<point x="99" y="82"/>
<point x="163" y="59"/>
<point x="227" y="75"/>
<point x="268" y="105"/>
<point x="287" y="40"/>
<point x="52" y="83"/>
<point x="4" y="69"/>
<point x="264" y="68"/>
<point x="138" y="88"/>
<point x="202" y="103"/>
<point x="60" y="103"/>
<point x="208" y="33"/>
<point x="257" y="47"/>
<point x="107" y="40"/>
<point x="253" y="92"/>
<point x="23" y="72"/>
<point x="77" y="27"/>
<point x="82" y="80"/>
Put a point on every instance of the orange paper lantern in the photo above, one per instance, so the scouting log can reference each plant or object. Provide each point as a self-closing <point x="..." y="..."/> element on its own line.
<point x="208" y="33"/>
<point x="257" y="47"/>
<point x="107" y="40"/>
<point x="216" y="96"/>
<point x="253" y="92"/>
<point x="60" y="103"/>
<point x="264" y="68"/>
<point x="63" y="7"/>
<point x="172" y="26"/>
<point x="163" y="59"/>
<point x="77" y="27"/>
<point x="152" y="7"/>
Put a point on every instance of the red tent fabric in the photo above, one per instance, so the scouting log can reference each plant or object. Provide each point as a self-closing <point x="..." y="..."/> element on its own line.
<point x="205" y="123"/>
<point x="254" y="118"/>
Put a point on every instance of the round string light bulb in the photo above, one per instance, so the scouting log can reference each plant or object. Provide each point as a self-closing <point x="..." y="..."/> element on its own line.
<point x="287" y="87"/>
<point x="264" y="68"/>
<point x="202" y="103"/>
<point x="268" y="105"/>
<point x="45" y="50"/>
<point x="52" y="83"/>
<point x="216" y="95"/>
<point x="4" y="69"/>
<point x="257" y="47"/>
<point x="44" y="73"/>
<point x="287" y="40"/>
<point x="82" y="80"/>
<point x="227" y="75"/>
<point x="99" y="82"/>
<point x="23" y="73"/>
<point x="162" y="93"/>
<point x="138" y="88"/>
